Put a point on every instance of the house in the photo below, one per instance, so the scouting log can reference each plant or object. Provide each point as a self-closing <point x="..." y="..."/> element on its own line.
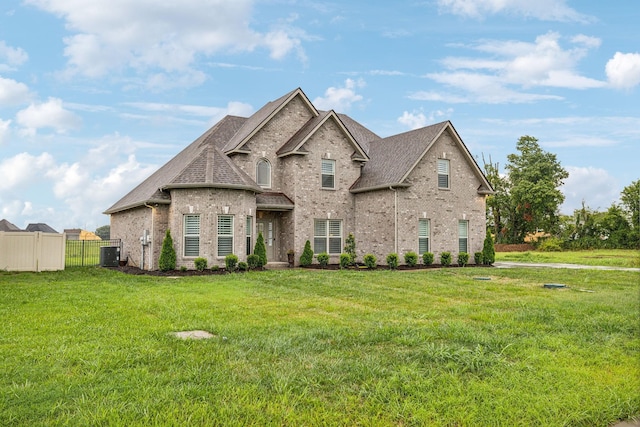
<point x="40" y="226"/>
<point x="295" y="173"/>
<point x="80" y="234"/>
<point x="6" y="225"/>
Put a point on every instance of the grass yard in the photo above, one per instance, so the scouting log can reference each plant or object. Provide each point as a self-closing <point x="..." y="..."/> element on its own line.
<point x="90" y="346"/>
<point x="607" y="257"/>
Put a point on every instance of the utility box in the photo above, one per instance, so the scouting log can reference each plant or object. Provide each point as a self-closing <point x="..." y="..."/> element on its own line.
<point x="109" y="256"/>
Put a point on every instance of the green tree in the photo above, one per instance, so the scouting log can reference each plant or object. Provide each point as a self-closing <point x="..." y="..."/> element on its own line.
<point x="167" y="259"/>
<point x="488" y="250"/>
<point x="104" y="232"/>
<point x="261" y="250"/>
<point x="615" y="228"/>
<point x="535" y="178"/>
<point x="499" y="203"/>
<point x="630" y="198"/>
<point x="350" y="248"/>
<point x="307" y="255"/>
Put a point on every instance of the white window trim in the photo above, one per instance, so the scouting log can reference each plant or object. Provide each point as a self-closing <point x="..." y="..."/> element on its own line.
<point x="322" y="174"/>
<point x="327" y="237"/>
<point x="190" y="235"/>
<point x="427" y="236"/>
<point x="446" y="162"/>
<point x="460" y="236"/>
<point x="248" y="234"/>
<point x="218" y="235"/>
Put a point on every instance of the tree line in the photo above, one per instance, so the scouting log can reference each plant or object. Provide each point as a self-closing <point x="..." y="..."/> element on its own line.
<point x="527" y="199"/>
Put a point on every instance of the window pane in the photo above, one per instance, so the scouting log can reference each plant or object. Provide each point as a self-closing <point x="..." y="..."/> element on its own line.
<point x="423" y="228"/>
<point x="191" y="246"/>
<point x="335" y="245"/>
<point x="320" y="227"/>
<point x="462" y="245"/>
<point x="225" y="246"/>
<point x="328" y="181"/>
<point x="423" y="245"/>
<point x="463" y="234"/>
<point x="443" y="181"/>
<point x="335" y="228"/>
<point x="248" y="233"/>
<point x="443" y="173"/>
<point x="191" y="224"/>
<point x="319" y="245"/>
<point x="328" y="173"/>
<point x="225" y="235"/>
<point x="328" y="166"/>
<point x="263" y="173"/>
<point x="225" y="225"/>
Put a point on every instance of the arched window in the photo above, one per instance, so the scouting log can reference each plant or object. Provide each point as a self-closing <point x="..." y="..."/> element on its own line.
<point x="263" y="173"/>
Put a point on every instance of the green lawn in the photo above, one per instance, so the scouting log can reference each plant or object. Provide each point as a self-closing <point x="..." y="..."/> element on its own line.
<point x="300" y="347"/>
<point x="606" y="257"/>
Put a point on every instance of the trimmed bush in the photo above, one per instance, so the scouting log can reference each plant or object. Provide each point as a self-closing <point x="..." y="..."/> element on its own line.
<point x="253" y="261"/>
<point x="392" y="261"/>
<point x="350" y="249"/>
<point x="183" y="268"/>
<point x="411" y="259"/>
<point x="445" y="259"/>
<point x="306" y="259"/>
<point x="231" y="262"/>
<point x="261" y="250"/>
<point x="370" y="261"/>
<point x="488" y="250"/>
<point x="427" y="258"/>
<point x="215" y="268"/>
<point x="345" y="260"/>
<point x="551" y="244"/>
<point x="243" y="266"/>
<point x="323" y="259"/>
<point x="477" y="258"/>
<point x="463" y="259"/>
<point x="200" y="263"/>
<point x="167" y="259"/>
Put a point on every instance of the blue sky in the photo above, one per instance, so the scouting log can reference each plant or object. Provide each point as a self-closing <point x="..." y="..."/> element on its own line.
<point x="96" y="95"/>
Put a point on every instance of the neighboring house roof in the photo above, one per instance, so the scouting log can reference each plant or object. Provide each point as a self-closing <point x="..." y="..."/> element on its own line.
<point x="8" y="226"/>
<point x="393" y="158"/>
<point x="40" y="226"/>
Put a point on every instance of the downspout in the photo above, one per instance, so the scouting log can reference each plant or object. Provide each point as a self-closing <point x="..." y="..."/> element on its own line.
<point x="150" y="243"/>
<point x="395" y="219"/>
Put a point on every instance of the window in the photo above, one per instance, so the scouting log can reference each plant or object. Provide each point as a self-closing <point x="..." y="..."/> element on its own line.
<point x="463" y="236"/>
<point x="192" y="235"/>
<point x="249" y="233"/>
<point x="443" y="173"/>
<point x="423" y="236"/>
<point x="328" y="173"/>
<point x="263" y="173"/>
<point x="327" y="236"/>
<point x="225" y="235"/>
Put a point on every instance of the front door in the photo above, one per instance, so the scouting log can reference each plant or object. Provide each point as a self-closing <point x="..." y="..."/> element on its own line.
<point x="266" y="226"/>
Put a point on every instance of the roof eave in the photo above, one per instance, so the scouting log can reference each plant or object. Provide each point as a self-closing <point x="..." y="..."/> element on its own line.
<point x="380" y="187"/>
<point x="268" y="207"/>
<point x="214" y="185"/>
<point x="137" y="205"/>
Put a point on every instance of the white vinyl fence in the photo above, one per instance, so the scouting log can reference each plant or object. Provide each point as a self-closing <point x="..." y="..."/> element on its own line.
<point x="37" y="251"/>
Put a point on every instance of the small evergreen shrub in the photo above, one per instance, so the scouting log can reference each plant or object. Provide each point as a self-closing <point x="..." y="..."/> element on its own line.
<point x="350" y="249"/>
<point x="231" y="262"/>
<point x="445" y="259"/>
<point x="463" y="259"/>
<point x="477" y="258"/>
<point x="243" y="266"/>
<point x="323" y="259"/>
<point x="253" y="261"/>
<point x="345" y="260"/>
<point x="261" y="250"/>
<point x="411" y="259"/>
<point x="427" y="258"/>
<point x="488" y="250"/>
<point x="183" y="268"/>
<point x="200" y="263"/>
<point x="167" y="259"/>
<point x="392" y="261"/>
<point x="306" y="259"/>
<point x="215" y="268"/>
<point x="370" y="261"/>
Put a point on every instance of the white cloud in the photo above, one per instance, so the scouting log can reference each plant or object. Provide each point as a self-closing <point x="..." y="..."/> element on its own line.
<point x="546" y="10"/>
<point x="340" y="98"/>
<point x="4" y="130"/>
<point x="592" y="185"/>
<point x="50" y="114"/>
<point x="418" y="119"/>
<point x="11" y="57"/>
<point x="22" y="169"/>
<point x="13" y="92"/>
<point x="623" y="70"/>
<point x="513" y="70"/>
<point x="150" y="35"/>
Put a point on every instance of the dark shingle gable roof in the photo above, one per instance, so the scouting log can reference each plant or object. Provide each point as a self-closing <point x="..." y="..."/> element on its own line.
<point x="40" y="226"/>
<point x="8" y="226"/>
<point x="151" y="189"/>
<point x="393" y="158"/>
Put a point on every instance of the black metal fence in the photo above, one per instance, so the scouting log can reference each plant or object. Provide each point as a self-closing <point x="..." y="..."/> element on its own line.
<point x="81" y="253"/>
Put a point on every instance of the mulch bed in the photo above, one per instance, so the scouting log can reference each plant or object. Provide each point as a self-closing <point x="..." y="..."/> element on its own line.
<point x="186" y="273"/>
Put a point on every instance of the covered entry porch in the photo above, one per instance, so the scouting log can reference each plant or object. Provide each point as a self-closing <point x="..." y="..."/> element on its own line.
<point x="274" y="219"/>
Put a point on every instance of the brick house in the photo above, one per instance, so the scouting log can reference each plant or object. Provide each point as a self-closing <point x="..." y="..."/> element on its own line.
<point x="295" y="173"/>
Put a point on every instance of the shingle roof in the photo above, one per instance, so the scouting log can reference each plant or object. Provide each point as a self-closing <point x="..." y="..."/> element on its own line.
<point x="274" y="201"/>
<point x="40" y="226"/>
<point x="151" y="189"/>
<point x="8" y="226"/>
<point x="394" y="157"/>
<point x="361" y="134"/>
